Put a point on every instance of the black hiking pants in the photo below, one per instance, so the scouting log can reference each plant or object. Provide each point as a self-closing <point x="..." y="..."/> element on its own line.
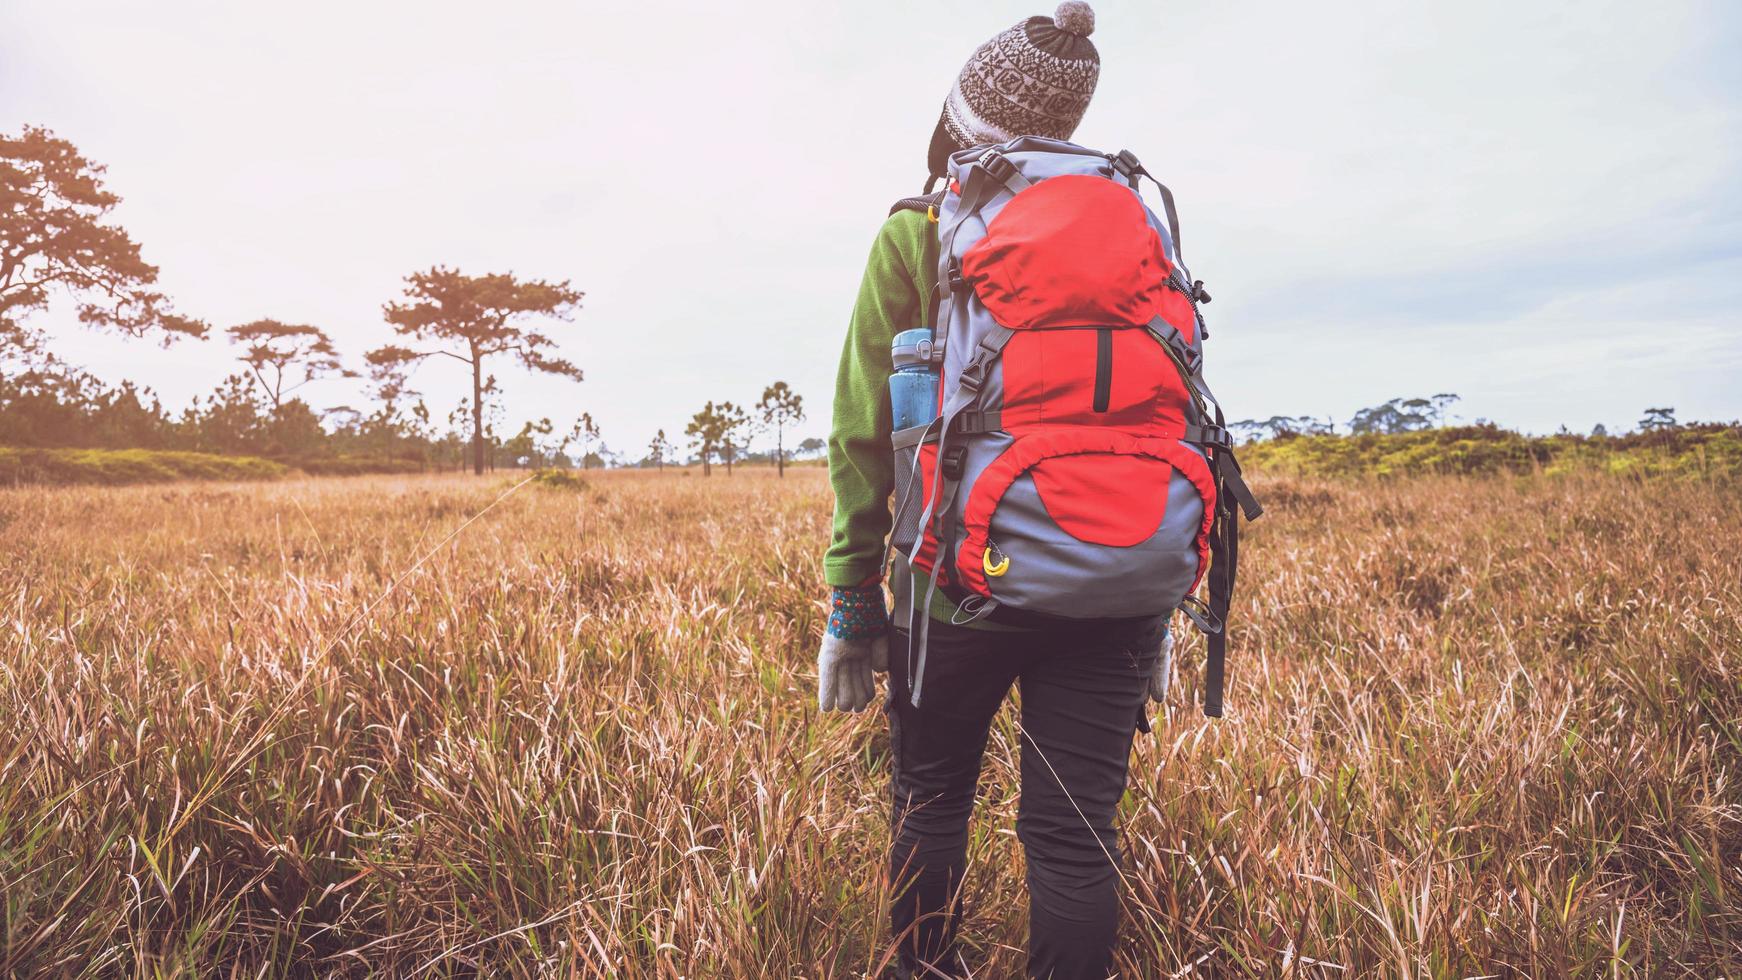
<point x="1083" y="687"/>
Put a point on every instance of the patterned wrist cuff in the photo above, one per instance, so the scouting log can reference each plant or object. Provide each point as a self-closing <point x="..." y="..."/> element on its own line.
<point x="857" y="612"/>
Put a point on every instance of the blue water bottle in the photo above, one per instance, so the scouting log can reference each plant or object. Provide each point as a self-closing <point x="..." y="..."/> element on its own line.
<point x="913" y="387"/>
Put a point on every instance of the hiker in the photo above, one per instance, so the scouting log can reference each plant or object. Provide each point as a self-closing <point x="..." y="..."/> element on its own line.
<point x="1023" y="375"/>
<point x="1071" y="601"/>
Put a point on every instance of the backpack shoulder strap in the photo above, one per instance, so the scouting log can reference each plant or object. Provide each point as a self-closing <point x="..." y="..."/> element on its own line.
<point x="1128" y="166"/>
<point x="926" y="203"/>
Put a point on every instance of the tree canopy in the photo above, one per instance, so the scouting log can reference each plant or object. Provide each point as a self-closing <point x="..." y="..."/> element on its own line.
<point x="275" y="352"/>
<point x="715" y="430"/>
<point x="55" y="237"/>
<point x="780" y="407"/>
<point x="469" y="318"/>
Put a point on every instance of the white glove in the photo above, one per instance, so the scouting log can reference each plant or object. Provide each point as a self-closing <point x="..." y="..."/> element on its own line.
<point x="1163" y="669"/>
<point x="844" y="671"/>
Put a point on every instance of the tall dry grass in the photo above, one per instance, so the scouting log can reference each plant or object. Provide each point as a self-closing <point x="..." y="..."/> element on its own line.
<point x="1477" y="727"/>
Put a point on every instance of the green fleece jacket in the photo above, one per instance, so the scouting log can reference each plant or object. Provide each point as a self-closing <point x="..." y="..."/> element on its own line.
<point x="893" y="296"/>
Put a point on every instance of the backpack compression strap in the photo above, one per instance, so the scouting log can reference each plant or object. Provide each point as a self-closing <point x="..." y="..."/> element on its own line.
<point x="1233" y="499"/>
<point x="1129" y="167"/>
<point x="1224" y="566"/>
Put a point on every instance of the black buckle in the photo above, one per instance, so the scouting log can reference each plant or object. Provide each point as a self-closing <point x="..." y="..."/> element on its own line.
<point x="953" y="463"/>
<point x="1126" y="163"/>
<point x="1215" y="435"/>
<point x="1198" y="292"/>
<point x="1168" y="334"/>
<point x="997" y="166"/>
<point x="1198" y="611"/>
<point x="972" y="377"/>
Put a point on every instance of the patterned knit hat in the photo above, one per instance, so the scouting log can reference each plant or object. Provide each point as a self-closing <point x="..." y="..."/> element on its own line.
<point x="1034" y="79"/>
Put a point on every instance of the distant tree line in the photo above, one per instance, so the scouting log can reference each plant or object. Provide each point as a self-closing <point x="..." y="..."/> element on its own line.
<point x="1702" y="450"/>
<point x="1402" y="415"/>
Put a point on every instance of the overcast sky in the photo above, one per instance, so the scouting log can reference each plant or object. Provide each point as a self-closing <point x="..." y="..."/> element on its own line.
<point x="1538" y="206"/>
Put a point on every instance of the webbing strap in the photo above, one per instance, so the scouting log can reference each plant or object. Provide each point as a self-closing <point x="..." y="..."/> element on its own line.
<point x="1129" y="167"/>
<point x="943" y="493"/>
<point x="1172" y="217"/>
<point x="901" y="440"/>
<point x="1013" y="180"/>
<point x="1224" y="559"/>
<point x="1224" y="562"/>
<point x="992" y="171"/>
<point x="1203" y="388"/>
<point x="1168" y="334"/>
<point x="966" y="394"/>
<point x="974" y="423"/>
<point x="976" y="191"/>
<point x="966" y="424"/>
<point x="998" y="166"/>
<point x="1228" y="470"/>
<point x="912" y="436"/>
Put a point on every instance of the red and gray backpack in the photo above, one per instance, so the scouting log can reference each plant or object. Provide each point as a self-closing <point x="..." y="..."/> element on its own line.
<point x="1078" y="467"/>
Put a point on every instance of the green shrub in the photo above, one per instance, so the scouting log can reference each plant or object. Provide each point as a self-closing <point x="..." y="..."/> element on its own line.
<point x="1703" y="451"/>
<point x="119" y="466"/>
<point x="354" y="465"/>
<point x="564" y="480"/>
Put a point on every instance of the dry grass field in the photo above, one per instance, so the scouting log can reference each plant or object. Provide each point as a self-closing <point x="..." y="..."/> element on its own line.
<point x="1478" y="727"/>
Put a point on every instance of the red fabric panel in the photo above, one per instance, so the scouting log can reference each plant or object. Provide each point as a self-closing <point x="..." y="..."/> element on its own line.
<point x="928" y="549"/>
<point x="1025" y="453"/>
<point x="1097" y="499"/>
<point x="1049" y="376"/>
<point x="1049" y="379"/>
<point x="1148" y="394"/>
<point x="1071" y="251"/>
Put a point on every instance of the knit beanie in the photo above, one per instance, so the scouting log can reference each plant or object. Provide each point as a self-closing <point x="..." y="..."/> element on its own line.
<point x="1034" y="79"/>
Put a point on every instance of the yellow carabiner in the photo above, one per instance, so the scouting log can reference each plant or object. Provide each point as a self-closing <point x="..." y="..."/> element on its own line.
<point x="991" y="569"/>
<point x="931" y="214"/>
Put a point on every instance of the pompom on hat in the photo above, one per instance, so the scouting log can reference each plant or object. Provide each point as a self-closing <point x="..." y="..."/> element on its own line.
<point x="1034" y="79"/>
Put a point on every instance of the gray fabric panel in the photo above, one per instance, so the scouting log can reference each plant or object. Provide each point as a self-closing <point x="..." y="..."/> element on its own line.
<point x="1052" y="572"/>
<point x="992" y="392"/>
<point x="909" y="491"/>
<point x="982" y="450"/>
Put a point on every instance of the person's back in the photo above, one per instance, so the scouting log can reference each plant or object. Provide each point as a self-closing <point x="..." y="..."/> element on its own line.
<point x="1084" y="681"/>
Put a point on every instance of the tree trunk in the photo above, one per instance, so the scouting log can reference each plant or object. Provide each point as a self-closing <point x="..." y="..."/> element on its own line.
<point x="779" y="453"/>
<point x="477" y="417"/>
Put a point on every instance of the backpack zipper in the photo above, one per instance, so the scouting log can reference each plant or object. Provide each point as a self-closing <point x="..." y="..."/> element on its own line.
<point x="1103" y="368"/>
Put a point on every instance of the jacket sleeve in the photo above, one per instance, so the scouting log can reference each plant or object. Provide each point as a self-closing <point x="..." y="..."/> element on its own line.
<point x="861" y="469"/>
